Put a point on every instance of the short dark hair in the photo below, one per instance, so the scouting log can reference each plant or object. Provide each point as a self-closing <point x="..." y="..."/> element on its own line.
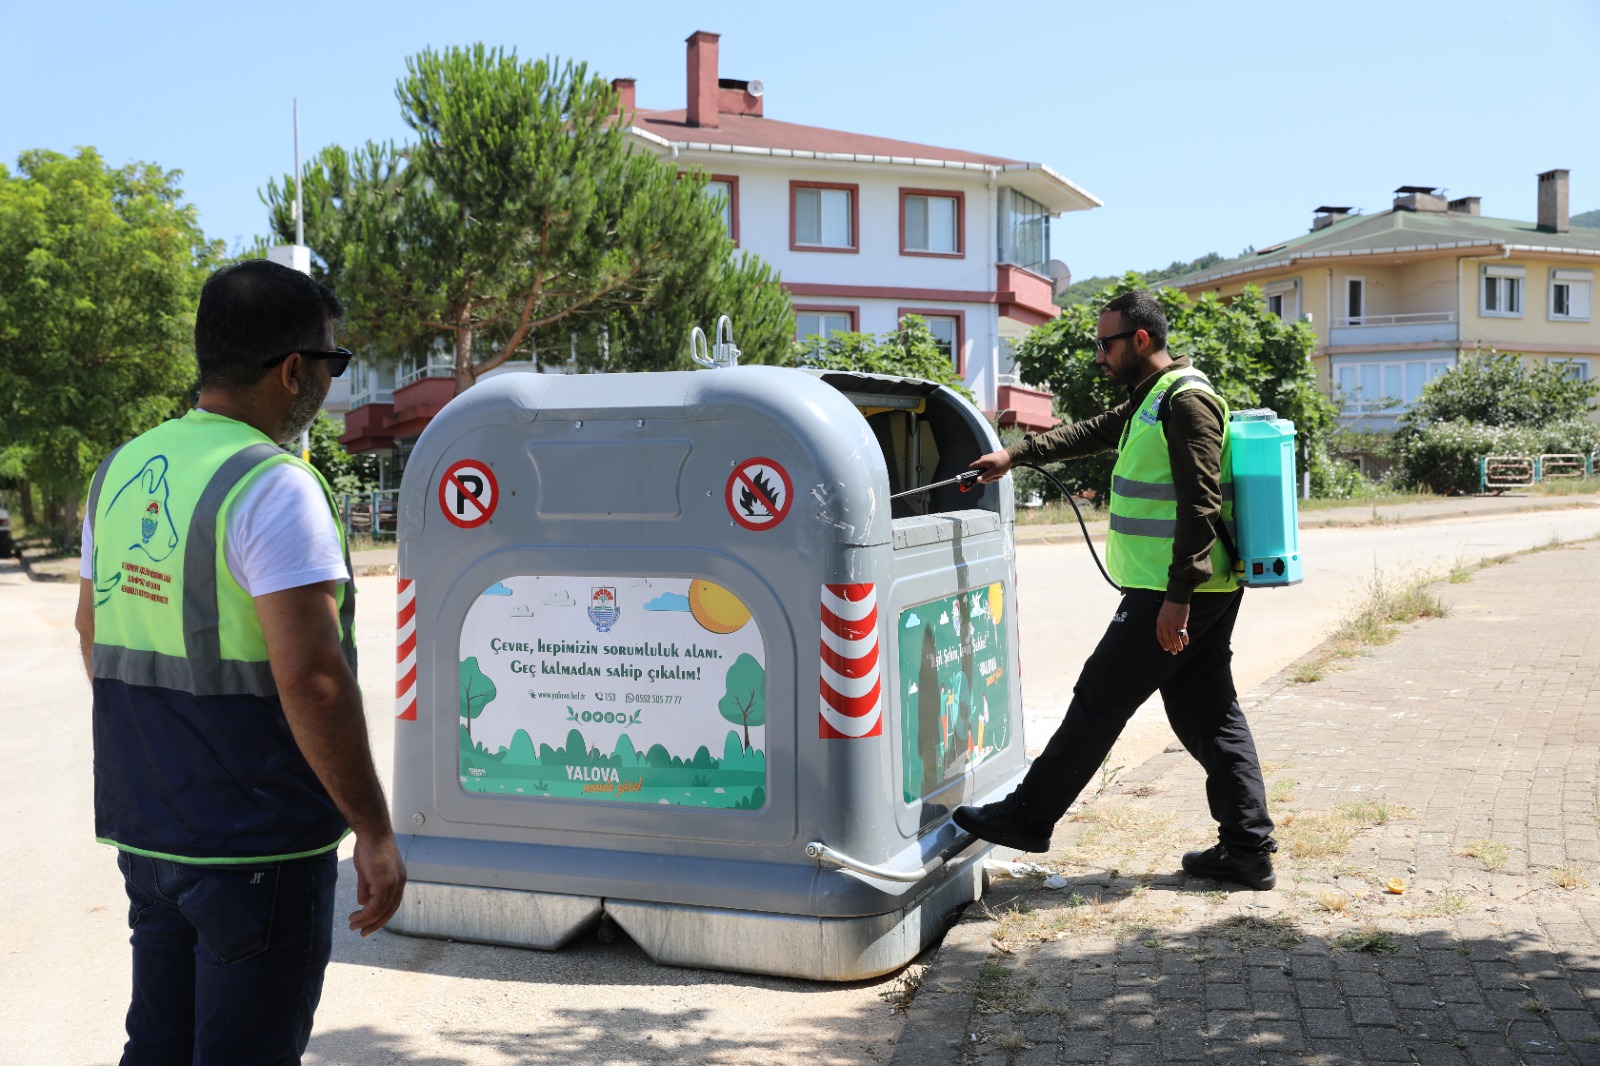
<point x="254" y="311"/>
<point x="1140" y="310"/>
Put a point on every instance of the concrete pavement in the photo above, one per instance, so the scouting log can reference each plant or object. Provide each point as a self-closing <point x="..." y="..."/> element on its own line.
<point x="1456" y="765"/>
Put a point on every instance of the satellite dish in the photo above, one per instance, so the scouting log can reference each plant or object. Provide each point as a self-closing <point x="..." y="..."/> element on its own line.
<point x="1060" y="277"/>
<point x="756" y="87"/>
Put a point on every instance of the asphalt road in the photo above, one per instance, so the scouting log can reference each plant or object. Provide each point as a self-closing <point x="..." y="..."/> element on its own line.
<point x="390" y="999"/>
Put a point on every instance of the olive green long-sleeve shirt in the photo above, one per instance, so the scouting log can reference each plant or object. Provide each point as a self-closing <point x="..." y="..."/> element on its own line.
<point x="1194" y="425"/>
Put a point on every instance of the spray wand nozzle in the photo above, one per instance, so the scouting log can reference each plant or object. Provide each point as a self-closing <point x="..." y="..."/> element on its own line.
<point x="965" y="480"/>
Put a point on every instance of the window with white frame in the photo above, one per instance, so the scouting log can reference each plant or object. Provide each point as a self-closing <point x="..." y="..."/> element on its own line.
<point x="1571" y="293"/>
<point x="932" y="223"/>
<point x="1283" y="300"/>
<point x="1574" y="369"/>
<point x="1355" y="300"/>
<point x="1384" y="386"/>
<point x="824" y="217"/>
<point x="1502" y="292"/>
<point x="818" y="325"/>
<point x="720" y="191"/>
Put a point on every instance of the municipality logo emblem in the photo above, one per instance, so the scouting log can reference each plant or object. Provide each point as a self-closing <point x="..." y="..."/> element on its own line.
<point x="603" y="609"/>
<point x="147" y="525"/>
<point x="1148" y="416"/>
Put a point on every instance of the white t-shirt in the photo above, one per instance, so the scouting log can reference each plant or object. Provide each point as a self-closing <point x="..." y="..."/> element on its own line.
<point x="280" y="534"/>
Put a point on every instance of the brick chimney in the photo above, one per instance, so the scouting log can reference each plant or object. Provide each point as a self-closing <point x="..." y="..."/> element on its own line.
<point x="704" y="92"/>
<point x="1553" y="201"/>
<point x="625" y="95"/>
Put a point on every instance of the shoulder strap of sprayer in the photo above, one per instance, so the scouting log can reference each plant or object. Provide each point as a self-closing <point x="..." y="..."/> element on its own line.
<point x="1162" y="407"/>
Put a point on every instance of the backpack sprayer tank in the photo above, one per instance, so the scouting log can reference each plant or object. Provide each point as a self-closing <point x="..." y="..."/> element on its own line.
<point x="1264" y="504"/>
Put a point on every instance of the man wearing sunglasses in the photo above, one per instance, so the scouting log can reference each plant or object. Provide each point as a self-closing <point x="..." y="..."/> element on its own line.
<point x="231" y="752"/>
<point x="1171" y="505"/>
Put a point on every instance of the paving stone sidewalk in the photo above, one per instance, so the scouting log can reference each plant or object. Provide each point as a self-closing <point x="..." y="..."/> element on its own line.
<point x="1458" y="762"/>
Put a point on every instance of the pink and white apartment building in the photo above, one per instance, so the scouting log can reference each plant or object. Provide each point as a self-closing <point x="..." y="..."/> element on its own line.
<point x="865" y="230"/>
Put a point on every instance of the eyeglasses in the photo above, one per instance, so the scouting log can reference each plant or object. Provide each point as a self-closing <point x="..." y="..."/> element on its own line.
<point x="1102" y="343"/>
<point x="339" y="359"/>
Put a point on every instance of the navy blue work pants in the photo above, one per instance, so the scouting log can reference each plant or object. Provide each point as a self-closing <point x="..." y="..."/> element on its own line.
<point x="1196" y="686"/>
<point x="227" y="959"/>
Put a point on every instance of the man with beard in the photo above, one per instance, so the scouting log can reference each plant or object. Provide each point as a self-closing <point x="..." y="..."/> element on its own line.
<point x="231" y="750"/>
<point x="1169" y="549"/>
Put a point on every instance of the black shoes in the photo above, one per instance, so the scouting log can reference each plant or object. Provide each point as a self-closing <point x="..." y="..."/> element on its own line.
<point x="1251" y="869"/>
<point x="1005" y="823"/>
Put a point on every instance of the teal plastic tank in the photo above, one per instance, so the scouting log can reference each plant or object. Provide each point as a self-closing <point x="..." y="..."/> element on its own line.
<point x="1264" y="501"/>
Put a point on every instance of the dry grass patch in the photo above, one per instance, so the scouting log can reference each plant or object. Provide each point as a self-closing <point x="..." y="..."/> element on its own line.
<point x="1570" y="876"/>
<point x="996" y="989"/>
<point x="1247" y="931"/>
<point x="1282" y="790"/>
<point x="1491" y="854"/>
<point x="1334" y="902"/>
<point x="1376" y="619"/>
<point x="1371" y="939"/>
<point x="1366" y="813"/>
<point x="1117" y="830"/>
<point x="1447" y="905"/>
<point x="1313" y="836"/>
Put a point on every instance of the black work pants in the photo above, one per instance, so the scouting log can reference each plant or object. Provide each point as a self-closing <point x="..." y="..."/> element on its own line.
<point x="1196" y="685"/>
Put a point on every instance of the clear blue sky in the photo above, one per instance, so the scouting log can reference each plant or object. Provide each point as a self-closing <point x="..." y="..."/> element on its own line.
<point x="1202" y="127"/>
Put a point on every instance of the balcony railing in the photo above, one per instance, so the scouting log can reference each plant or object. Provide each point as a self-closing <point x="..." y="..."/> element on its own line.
<point x="1418" y="318"/>
<point x="431" y="370"/>
<point x="371" y="396"/>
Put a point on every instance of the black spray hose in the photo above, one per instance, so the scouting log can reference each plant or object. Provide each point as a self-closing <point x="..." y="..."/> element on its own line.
<point x="1063" y="490"/>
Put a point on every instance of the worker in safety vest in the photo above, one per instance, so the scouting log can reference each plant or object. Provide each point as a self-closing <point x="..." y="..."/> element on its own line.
<point x="230" y="746"/>
<point x="1171" y="509"/>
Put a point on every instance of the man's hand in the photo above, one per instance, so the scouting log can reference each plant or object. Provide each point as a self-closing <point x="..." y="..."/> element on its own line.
<point x="1172" y="626"/>
<point x="380" y="881"/>
<point x="992" y="467"/>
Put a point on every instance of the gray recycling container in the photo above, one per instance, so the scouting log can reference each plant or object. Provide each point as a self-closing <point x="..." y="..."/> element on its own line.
<point x="669" y="653"/>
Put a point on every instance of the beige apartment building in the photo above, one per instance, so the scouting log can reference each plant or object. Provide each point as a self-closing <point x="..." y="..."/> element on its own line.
<point x="1396" y="297"/>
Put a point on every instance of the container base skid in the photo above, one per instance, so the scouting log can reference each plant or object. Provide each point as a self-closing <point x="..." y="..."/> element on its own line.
<point x="779" y="945"/>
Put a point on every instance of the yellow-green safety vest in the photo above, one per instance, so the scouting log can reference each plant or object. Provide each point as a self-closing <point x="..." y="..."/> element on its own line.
<point x="194" y="759"/>
<point x="1144" y="501"/>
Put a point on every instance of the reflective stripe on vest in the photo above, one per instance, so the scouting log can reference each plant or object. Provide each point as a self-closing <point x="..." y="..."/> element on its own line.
<point x="1144" y="510"/>
<point x="201" y="670"/>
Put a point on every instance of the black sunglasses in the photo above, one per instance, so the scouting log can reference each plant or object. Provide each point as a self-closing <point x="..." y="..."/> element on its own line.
<point x="339" y="359"/>
<point x="1099" y="342"/>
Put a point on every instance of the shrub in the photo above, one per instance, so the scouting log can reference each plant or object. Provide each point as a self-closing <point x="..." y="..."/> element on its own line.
<point x="1443" y="456"/>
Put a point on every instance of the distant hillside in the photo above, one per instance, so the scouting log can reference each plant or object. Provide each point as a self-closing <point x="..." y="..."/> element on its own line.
<point x="1589" y="219"/>
<point x="1080" y="291"/>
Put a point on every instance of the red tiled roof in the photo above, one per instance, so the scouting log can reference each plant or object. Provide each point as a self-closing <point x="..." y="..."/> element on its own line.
<point x="752" y="132"/>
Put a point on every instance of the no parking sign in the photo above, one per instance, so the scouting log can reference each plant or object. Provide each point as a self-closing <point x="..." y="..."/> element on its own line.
<point x="468" y="493"/>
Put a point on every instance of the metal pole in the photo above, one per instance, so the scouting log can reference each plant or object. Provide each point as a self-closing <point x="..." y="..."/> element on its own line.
<point x="299" y="204"/>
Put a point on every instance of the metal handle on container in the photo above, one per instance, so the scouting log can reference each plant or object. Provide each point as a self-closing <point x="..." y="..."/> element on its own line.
<point x="820" y="851"/>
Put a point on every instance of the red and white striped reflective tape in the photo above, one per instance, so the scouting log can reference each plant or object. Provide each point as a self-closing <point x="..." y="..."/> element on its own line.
<point x="405" y="631"/>
<point x="852" y="706"/>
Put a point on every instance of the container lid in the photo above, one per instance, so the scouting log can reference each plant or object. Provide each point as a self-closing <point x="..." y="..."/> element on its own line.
<point x="1255" y="414"/>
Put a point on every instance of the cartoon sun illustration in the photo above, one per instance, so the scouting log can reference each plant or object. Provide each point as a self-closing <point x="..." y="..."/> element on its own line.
<point x="715" y="608"/>
<point x="997" y="602"/>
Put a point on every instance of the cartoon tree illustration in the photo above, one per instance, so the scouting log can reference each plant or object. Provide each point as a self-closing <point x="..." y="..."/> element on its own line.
<point x="745" y="702"/>
<point x="477" y="691"/>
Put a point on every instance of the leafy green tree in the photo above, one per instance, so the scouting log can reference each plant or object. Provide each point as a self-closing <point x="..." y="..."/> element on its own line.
<point x="1498" y="389"/>
<point x="524" y="223"/>
<point x="100" y="273"/>
<point x="1253" y="358"/>
<point x="745" y="701"/>
<point x="343" y="471"/>
<point x="477" y="691"/>
<point x="1084" y="291"/>
<point x="910" y="351"/>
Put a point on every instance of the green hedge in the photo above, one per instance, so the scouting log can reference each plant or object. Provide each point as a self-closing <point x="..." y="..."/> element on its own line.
<point x="1443" y="456"/>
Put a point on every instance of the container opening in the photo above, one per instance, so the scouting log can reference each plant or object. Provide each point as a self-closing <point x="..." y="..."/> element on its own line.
<point x="926" y="435"/>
